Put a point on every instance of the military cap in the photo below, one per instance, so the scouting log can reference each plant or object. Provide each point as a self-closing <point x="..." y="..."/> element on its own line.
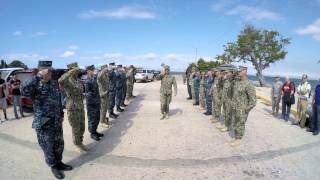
<point x="119" y="66"/>
<point x="112" y="64"/>
<point x="73" y="66"/>
<point x="45" y="65"/>
<point x="242" y="68"/>
<point x="91" y="68"/>
<point x="104" y="66"/>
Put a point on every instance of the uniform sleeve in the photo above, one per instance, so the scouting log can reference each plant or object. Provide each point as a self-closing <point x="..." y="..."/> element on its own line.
<point x="175" y="86"/>
<point x="102" y="92"/>
<point x="63" y="80"/>
<point x="159" y="77"/>
<point x="29" y="88"/>
<point x="251" y="93"/>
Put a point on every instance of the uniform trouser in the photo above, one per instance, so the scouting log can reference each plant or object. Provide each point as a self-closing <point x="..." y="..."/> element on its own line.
<point x="209" y="103"/>
<point x="17" y="102"/>
<point x="227" y="113"/>
<point x="76" y="119"/>
<point x="193" y="94"/>
<point x="129" y="91"/>
<point x="275" y="104"/>
<point x="93" y="114"/>
<point x="217" y="106"/>
<point x="103" y="108"/>
<point x="189" y="89"/>
<point x="315" y="121"/>
<point x="119" y="94"/>
<point x="50" y="139"/>
<point x="197" y="95"/>
<point x="202" y="98"/>
<point x="286" y="109"/>
<point x="240" y="123"/>
<point x="124" y="95"/>
<point x="301" y="111"/>
<point x="111" y="102"/>
<point x="165" y="100"/>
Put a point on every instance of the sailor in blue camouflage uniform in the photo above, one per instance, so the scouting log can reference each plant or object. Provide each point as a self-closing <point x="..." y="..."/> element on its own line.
<point x="112" y="90"/>
<point x="48" y="117"/>
<point x="208" y="83"/>
<point x="120" y="83"/>
<point x="93" y="102"/>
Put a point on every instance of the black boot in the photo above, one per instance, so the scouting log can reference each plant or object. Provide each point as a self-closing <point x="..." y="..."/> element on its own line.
<point x="57" y="173"/>
<point x="124" y="105"/>
<point x="99" y="134"/>
<point x="119" y="109"/>
<point x="95" y="137"/>
<point x="64" y="167"/>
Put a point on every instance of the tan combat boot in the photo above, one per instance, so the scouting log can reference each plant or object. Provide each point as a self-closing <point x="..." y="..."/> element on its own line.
<point x="219" y="126"/>
<point x="224" y="129"/>
<point x="163" y="116"/>
<point x="235" y="142"/>
<point x="81" y="148"/>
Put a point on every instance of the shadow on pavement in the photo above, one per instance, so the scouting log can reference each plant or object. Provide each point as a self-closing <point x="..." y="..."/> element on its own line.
<point x="112" y="136"/>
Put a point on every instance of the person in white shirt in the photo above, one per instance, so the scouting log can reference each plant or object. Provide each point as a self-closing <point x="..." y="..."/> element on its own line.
<point x="304" y="92"/>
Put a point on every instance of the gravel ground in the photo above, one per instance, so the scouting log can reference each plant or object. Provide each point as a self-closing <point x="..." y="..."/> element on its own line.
<point x="186" y="146"/>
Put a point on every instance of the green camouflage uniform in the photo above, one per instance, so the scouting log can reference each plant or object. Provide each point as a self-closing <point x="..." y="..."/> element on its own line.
<point x="167" y="82"/>
<point x="130" y="82"/>
<point x="244" y="99"/>
<point x="74" y="91"/>
<point x="103" y="83"/>
<point x="193" y="92"/>
<point x="217" y="96"/>
<point x="202" y="93"/>
<point x="227" y="100"/>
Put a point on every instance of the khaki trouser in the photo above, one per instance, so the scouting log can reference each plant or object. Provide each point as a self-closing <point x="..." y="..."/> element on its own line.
<point x="275" y="104"/>
<point x="301" y="111"/>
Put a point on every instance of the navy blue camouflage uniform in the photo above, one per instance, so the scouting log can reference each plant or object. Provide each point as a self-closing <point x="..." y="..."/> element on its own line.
<point x="93" y="103"/>
<point x="208" y="83"/>
<point x="197" y="87"/>
<point x="112" y="90"/>
<point x="120" y="84"/>
<point x="48" y="117"/>
<point x="124" y="74"/>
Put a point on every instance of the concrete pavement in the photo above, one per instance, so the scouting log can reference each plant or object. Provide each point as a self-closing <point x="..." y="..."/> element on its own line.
<point x="186" y="146"/>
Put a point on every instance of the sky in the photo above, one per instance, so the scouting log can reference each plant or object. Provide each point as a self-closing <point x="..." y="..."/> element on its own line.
<point x="151" y="32"/>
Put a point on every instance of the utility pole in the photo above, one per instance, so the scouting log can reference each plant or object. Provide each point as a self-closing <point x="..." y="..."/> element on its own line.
<point x="196" y="54"/>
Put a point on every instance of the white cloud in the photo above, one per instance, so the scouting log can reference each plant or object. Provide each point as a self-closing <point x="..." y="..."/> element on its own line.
<point x="250" y="13"/>
<point x="120" y="13"/>
<point x="68" y="54"/>
<point x="112" y="55"/>
<point x="313" y="29"/>
<point x="39" y="33"/>
<point x="17" y="33"/>
<point x="148" y="56"/>
<point x="73" y="47"/>
<point x="173" y="57"/>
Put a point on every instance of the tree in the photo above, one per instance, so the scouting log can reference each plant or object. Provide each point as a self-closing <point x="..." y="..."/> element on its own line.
<point x="17" y="63"/>
<point x="259" y="47"/>
<point x="206" y="65"/>
<point x="3" y="64"/>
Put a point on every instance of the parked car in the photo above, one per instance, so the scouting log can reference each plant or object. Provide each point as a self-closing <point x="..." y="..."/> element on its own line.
<point x="156" y="73"/>
<point x="143" y="75"/>
<point x="6" y="74"/>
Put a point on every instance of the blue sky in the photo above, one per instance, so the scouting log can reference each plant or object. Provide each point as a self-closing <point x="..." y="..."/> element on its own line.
<point x="148" y="33"/>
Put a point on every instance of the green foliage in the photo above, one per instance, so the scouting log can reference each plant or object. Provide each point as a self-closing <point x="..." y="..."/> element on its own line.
<point x="3" y="64"/>
<point x="17" y="63"/>
<point x="259" y="47"/>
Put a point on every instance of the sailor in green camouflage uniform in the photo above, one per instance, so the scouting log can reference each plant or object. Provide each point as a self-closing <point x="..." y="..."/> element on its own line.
<point x="202" y="91"/>
<point x="245" y="100"/>
<point x="227" y="97"/>
<point x="74" y="90"/>
<point x="167" y="82"/>
<point x="217" y="95"/>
